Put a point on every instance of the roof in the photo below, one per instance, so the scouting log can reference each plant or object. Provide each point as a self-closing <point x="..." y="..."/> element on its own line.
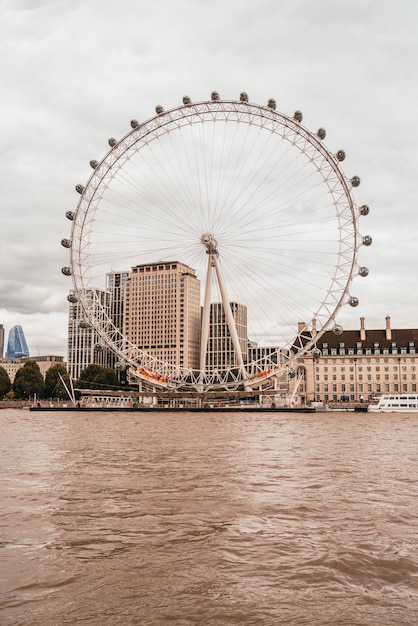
<point x="401" y="337"/>
<point x="388" y="340"/>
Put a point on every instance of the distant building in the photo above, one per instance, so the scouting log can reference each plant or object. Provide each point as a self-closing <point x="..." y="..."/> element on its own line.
<point x="1" y="341"/>
<point x="45" y="362"/>
<point x="162" y="312"/>
<point x="16" y="344"/>
<point x="263" y="353"/>
<point x="221" y="353"/>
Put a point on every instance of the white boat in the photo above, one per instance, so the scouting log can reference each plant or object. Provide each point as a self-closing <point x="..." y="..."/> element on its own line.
<point x="405" y="403"/>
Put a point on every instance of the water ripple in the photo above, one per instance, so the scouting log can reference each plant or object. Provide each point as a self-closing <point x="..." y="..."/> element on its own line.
<point x="218" y="520"/>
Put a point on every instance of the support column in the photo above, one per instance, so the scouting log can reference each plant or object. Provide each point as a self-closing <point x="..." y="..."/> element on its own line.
<point x="229" y="318"/>
<point x="211" y="250"/>
<point x="204" y="335"/>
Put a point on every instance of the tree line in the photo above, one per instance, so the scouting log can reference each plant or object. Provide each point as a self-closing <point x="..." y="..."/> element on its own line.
<point x="30" y="382"/>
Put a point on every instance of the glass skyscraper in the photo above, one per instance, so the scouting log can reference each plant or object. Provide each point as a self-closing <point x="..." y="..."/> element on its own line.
<point x="16" y="345"/>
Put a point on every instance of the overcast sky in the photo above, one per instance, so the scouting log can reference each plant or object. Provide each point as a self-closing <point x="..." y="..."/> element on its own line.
<point x="75" y="72"/>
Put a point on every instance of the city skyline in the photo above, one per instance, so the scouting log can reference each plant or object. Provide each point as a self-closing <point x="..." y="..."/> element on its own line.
<point x="348" y="67"/>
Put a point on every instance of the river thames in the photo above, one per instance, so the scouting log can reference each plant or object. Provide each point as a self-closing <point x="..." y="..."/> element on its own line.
<point x="182" y="519"/>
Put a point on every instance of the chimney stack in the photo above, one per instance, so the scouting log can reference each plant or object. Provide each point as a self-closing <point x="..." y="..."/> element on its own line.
<point x="388" y="329"/>
<point x="302" y="327"/>
<point x="362" y="330"/>
<point x="314" y="331"/>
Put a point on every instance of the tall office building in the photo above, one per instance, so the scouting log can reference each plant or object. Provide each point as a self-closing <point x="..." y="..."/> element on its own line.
<point x="84" y="346"/>
<point x="221" y="352"/>
<point x="16" y="344"/>
<point x="1" y="341"/>
<point x="162" y="312"/>
<point x="268" y="354"/>
<point x="115" y="283"/>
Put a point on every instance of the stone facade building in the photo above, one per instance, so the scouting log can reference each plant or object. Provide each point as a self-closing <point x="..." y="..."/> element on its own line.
<point x="359" y="364"/>
<point x="161" y="312"/>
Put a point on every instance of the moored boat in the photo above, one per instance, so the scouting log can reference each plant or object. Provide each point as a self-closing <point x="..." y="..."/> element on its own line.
<point x="402" y="403"/>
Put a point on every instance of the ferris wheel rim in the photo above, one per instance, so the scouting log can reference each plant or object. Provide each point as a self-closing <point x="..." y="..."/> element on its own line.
<point x="167" y="121"/>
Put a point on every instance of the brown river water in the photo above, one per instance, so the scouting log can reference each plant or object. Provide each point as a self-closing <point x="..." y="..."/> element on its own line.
<point x="182" y="519"/>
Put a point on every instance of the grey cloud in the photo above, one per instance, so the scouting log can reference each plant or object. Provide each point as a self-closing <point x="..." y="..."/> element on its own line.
<point x="77" y="72"/>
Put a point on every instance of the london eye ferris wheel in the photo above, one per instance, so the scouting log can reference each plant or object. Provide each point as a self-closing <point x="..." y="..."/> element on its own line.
<point x="250" y="199"/>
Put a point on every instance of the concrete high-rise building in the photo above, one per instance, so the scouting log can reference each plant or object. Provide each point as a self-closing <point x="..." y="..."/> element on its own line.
<point x="162" y="312"/>
<point x="221" y="353"/>
<point x="268" y="354"/>
<point x="84" y="345"/>
<point x="1" y="341"/>
<point x="16" y="344"/>
<point x="115" y="282"/>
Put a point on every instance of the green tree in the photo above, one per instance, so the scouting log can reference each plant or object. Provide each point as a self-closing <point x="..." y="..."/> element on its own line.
<point x="5" y="384"/>
<point x="28" y="381"/>
<point x="53" y="385"/>
<point x="88" y="375"/>
<point x="107" y="379"/>
<point x="97" y="377"/>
